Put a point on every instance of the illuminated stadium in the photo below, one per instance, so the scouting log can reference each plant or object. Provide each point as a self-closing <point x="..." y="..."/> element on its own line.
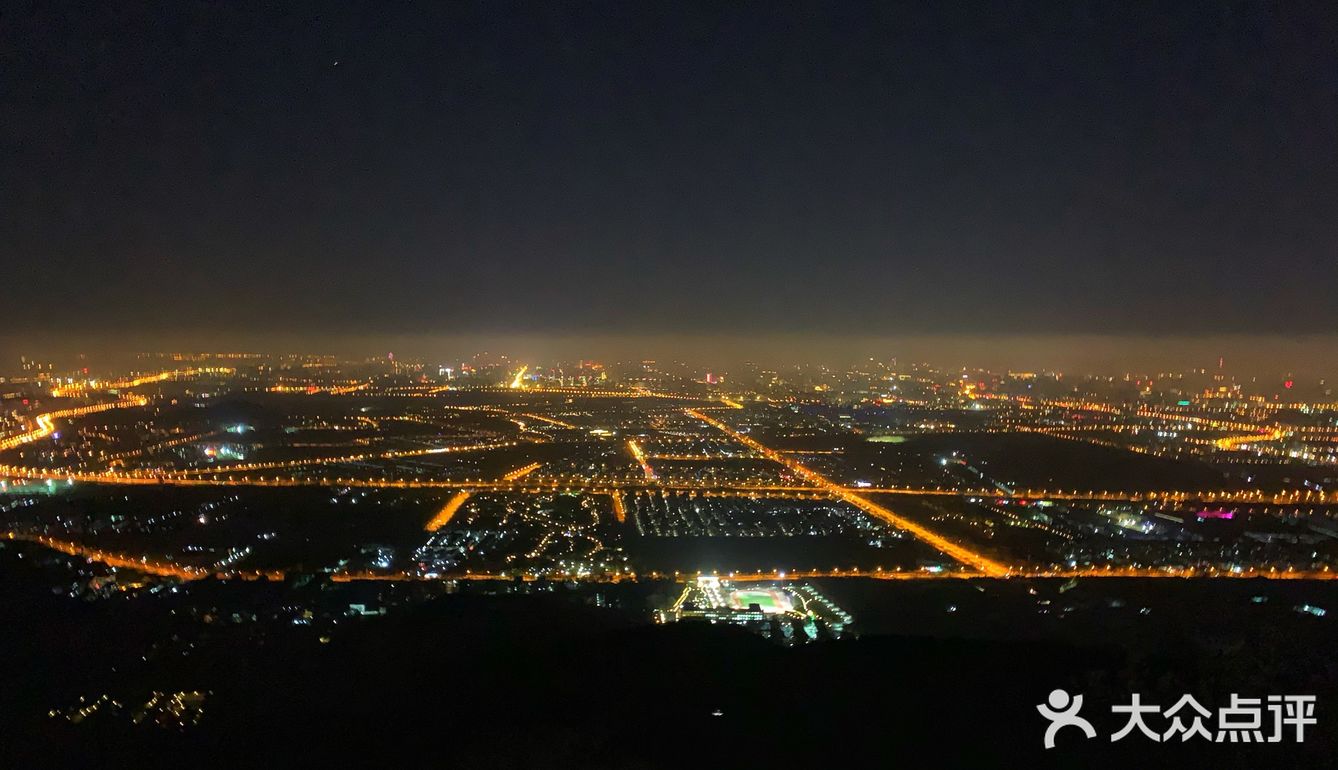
<point x="772" y="601"/>
<point x="792" y="613"/>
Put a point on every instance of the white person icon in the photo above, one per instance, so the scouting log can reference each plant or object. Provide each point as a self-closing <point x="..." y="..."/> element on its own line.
<point x="1062" y="711"/>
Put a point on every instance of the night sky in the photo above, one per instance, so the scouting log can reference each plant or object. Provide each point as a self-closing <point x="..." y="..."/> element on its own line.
<point x="671" y="168"/>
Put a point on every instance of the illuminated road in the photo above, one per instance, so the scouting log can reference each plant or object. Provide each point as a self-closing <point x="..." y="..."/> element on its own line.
<point x="81" y="388"/>
<point x="522" y="472"/>
<point x="117" y="460"/>
<point x="447" y="512"/>
<point x="619" y="509"/>
<point x="183" y="572"/>
<point x="519" y="380"/>
<point x="955" y="550"/>
<point x="142" y="564"/>
<point x="605" y="486"/>
<point x="46" y="422"/>
<point x="640" y="457"/>
<point x="1228" y="443"/>
<point x="541" y="418"/>
<point x="360" y="457"/>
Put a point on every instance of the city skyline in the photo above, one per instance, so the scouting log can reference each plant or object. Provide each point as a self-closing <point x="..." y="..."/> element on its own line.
<point x="1313" y="358"/>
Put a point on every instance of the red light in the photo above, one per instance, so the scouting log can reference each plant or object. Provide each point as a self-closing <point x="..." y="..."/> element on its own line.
<point x="1287" y="384"/>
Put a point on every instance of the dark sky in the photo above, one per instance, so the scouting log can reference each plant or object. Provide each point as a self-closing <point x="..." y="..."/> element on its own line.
<point x="830" y="168"/>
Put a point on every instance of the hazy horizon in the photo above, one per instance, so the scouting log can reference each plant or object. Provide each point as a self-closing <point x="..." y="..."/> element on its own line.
<point x="1308" y="356"/>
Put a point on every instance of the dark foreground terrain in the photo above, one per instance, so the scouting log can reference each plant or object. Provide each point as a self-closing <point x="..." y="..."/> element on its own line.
<point x="548" y="679"/>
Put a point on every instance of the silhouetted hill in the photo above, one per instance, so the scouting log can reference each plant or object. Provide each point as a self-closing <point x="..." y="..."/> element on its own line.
<point x="526" y="681"/>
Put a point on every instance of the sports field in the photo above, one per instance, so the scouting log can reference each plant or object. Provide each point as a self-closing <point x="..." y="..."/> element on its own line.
<point x="773" y="601"/>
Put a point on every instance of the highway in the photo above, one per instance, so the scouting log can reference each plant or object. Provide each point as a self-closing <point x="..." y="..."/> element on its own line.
<point x="45" y="423"/>
<point x="640" y="457"/>
<point x="354" y="458"/>
<point x="220" y="477"/>
<point x="134" y="382"/>
<point x="447" y="512"/>
<point x="184" y="572"/>
<point x="619" y="508"/>
<point x="955" y="550"/>
<point x="522" y="471"/>
<point x="111" y="559"/>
